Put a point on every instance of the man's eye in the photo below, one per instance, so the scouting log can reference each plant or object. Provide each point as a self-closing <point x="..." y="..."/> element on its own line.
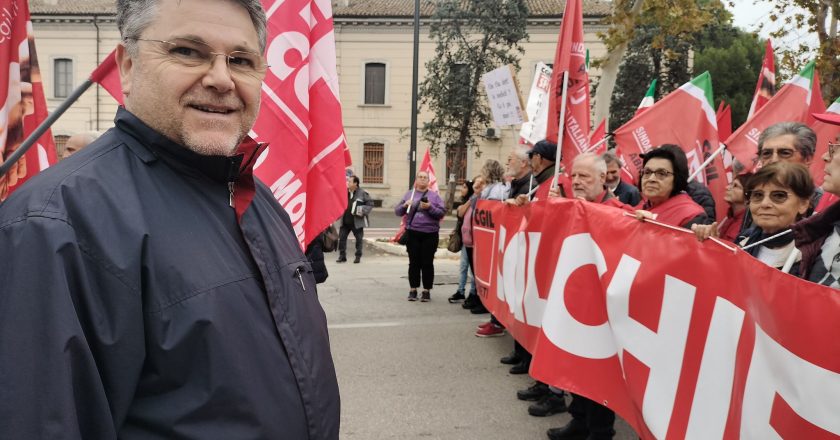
<point x="242" y="61"/>
<point x="183" y="51"/>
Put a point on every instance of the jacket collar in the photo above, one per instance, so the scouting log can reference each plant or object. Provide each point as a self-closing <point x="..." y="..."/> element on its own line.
<point x="817" y="226"/>
<point x="217" y="168"/>
<point x="545" y="174"/>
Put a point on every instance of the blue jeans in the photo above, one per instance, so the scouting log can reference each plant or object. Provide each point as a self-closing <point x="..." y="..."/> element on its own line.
<point x="464" y="272"/>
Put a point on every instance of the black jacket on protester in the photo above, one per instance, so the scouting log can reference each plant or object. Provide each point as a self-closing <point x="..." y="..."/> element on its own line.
<point x="136" y="303"/>
<point x="315" y="255"/>
<point x="520" y="186"/>
<point x="702" y="196"/>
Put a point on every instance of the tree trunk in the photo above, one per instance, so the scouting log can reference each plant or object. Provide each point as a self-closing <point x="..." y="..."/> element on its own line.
<point x="609" y="68"/>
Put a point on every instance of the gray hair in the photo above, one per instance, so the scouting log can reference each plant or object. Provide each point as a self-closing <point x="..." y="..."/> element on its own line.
<point x="805" y="140"/>
<point x="492" y="171"/>
<point x="134" y="16"/>
<point x="597" y="161"/>
<point x="521" y="152"/>
<point x="610" y="157"/>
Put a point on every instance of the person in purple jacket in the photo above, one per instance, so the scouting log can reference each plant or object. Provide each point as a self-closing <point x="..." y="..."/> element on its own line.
<point x="423" y="210"/>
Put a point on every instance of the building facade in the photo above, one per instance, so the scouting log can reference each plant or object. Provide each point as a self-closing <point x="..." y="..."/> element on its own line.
<point x="374" y="43"/>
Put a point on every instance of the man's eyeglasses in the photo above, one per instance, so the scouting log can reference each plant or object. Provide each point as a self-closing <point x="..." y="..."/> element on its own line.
<point x="832" y="148"/>
<point x="660" y="174"/>
<point x="783" y="153"/>
<point x="196" y="54"/>
<point x="777" y="197"/>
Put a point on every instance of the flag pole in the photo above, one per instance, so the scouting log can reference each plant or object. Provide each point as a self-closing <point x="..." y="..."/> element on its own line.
<point x="607" y="137"/>
<point x="706" y="163"/>
<point x="41" y="129"/>
<point x="560" y="129"/>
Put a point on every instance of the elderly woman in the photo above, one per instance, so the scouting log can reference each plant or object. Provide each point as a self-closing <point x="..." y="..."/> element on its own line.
<point x="662" y="182"/>
<point x="423" y="210"/>
<point x="493" y="174"/>
<point x="778" y="195"/>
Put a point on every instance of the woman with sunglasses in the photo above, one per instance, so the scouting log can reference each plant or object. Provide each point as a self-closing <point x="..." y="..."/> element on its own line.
<point x="777" y="196"/>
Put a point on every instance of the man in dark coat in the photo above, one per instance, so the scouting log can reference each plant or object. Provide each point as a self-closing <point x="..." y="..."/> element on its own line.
<point x="151" y="288"/>
<point x="625" y="192"/>
<point x="354" y="219"/>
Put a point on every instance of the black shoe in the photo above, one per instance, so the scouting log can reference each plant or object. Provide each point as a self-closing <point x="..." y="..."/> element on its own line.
<point x="548" y="405"/>
<point x="511" y="359"/>
<point x="341" y="260"/>
<point x="471" y="302"/>
<point x="358" y="260"/>
<point x="479" y="309"/>
<point x="534" y="392"/>
<point x="412" y="295"/>
<point x="574" y="430"/>
<point x="520" y="368"/>
<point x="425" y="296"/>
<point x="457" y="296"/>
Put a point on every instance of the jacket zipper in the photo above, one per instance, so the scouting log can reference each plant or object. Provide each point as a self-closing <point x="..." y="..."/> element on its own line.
<point x="299" y="276"/>
<point x="230" y="189"/>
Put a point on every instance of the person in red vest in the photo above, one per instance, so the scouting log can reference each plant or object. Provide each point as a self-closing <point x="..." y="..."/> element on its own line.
<point x="818" y="237"/>
<point x="663" y="180"/>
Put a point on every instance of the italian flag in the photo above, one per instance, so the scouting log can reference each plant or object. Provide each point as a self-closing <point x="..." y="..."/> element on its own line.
<point x="648" y="100"/>
<point x="800" y="97"/>
<point x="686" y="118"/>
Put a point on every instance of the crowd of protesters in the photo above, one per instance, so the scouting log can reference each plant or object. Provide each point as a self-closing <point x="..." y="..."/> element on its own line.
<point x="776" y="214"/>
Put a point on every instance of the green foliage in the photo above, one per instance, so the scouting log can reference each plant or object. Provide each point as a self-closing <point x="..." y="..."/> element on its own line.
<point x="471" y="38"/>
<point x="733" y="58"/>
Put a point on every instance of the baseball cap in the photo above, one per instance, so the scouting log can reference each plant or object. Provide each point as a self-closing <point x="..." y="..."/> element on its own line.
<point x="546" y="149"/>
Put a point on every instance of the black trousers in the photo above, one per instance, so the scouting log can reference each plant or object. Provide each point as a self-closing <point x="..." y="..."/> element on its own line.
<point x="421" y="248"/>
<point x="598" y="419"/>
<point x="358" y="234"/>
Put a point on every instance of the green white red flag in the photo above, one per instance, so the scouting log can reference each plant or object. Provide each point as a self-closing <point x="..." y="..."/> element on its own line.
<point x="570" y="57"/>
<point x="765" y="88"/>
<point x="648" y="100"/>
<point x="686" y="118"/>
<point x="792" y="103"/>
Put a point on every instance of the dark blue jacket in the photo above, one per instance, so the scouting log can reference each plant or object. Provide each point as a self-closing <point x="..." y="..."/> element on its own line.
<point x="135" y="305"/>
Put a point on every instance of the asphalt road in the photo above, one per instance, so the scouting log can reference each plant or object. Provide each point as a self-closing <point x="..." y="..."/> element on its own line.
<point x="411" y="370"/>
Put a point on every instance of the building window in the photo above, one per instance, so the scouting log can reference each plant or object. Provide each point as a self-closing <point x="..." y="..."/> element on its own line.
<point x="374" y="83"/>
<point x="461" y="175"/>
<point x="63" y="77"/>
<point x="374" y="163"/>
<point x="60" y="142"/>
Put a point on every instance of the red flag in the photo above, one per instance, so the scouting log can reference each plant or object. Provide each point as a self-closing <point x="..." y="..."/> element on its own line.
<point x="686" y="118"/>
<point x="301" y="116"/>
<point x="724" y="120"/>
<point x="25" y="106"/>
<point x="108" y="76"/>
<point x="570" y="58"/>
<point x="426" y="165"/>
<point x="598" y="135"/>
<point x="792" y="103"/>
<point x="765" y="88"/>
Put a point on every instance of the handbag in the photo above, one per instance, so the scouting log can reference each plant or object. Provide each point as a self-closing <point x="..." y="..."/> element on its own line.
<point x="455" y="240"/>
<point x="403" y="240"/>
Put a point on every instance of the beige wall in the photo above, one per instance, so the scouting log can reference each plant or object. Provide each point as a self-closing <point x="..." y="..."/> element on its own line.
<point x="356" y="44"/>
<point x="76" y="39"/>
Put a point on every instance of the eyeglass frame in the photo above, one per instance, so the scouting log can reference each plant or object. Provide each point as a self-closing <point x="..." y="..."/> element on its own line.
<point x="647" y="172"/>
<point x="208" y="63"/>
<point x="832" y="149"/>
<point x="777" y="152"/>
<point x="748" y="195"/>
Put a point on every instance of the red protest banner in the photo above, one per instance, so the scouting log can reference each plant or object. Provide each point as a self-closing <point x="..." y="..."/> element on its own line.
<point x="22" y="95"/>
<point x="684" y="340"/>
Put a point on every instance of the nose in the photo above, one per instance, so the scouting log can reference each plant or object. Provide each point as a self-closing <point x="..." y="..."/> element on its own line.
<point x="826" y="158"/>
<point x="218" y="76"/>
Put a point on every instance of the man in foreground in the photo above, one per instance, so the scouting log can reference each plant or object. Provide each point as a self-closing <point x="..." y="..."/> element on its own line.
<point x="150" y="287"/>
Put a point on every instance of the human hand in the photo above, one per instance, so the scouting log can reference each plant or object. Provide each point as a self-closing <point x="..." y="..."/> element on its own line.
<point x="643" y="215"/>
<point x="554" y="191"/>
<point x="425" y="205"/>
<point x="703" y="232"/>
<point x="521" y="200"/>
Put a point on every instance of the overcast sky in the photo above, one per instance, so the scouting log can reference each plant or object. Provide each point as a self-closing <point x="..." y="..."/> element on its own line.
<point x="748" y="14"/>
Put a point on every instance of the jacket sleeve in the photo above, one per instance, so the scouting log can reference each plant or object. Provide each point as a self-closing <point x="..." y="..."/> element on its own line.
<point x="399" y="210"/>
<point x="368" y="203"/>
<point x="72" y="344"/>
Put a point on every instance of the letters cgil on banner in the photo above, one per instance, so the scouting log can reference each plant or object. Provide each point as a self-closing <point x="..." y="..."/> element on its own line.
<point x="685" y="340"/>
